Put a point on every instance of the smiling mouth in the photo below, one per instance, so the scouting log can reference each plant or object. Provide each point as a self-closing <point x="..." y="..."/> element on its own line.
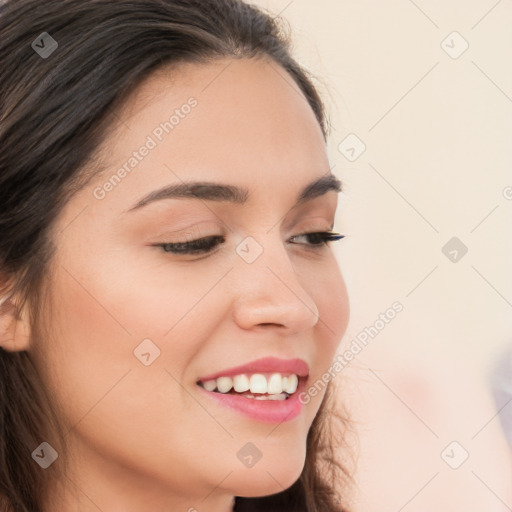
<point x="258" y="386"/>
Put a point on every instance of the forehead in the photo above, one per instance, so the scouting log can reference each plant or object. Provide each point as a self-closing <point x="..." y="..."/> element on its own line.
<point x="243" y="121"/>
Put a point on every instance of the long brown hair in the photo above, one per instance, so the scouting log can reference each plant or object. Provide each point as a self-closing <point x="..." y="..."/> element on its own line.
<point x="54" y="113"/>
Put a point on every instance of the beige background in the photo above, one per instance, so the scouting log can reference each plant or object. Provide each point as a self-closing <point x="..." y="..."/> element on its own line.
<point x="437" y="130"/>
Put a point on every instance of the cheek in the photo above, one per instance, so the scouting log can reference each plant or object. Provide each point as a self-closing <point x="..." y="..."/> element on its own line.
<point x="151" y="295"/>
<point x="329" y="292"/>
<point x="104" y="312"/>
<point x="109" y="398"/>
<point x="89" y="348"/>
<point x="331" y="298"/>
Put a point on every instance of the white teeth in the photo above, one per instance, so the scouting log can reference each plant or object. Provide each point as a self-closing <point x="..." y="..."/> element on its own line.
<point x="224" y="384"/>
<point x="210" y="385"/>
<point x="275" y="386"/>
<point x="241" y="383"/>
<point x="280" y="396"/>
<point x="258" y="383"/>
<point x="272" y="384"/>
<point x="291" y="384"/>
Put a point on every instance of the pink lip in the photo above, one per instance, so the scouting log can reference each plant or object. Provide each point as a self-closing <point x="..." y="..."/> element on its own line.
<point x="264" y="365"/>
<point x="267" y="411"/>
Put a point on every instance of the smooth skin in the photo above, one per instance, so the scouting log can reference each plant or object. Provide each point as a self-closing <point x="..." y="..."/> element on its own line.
<point x="144" y="437"/>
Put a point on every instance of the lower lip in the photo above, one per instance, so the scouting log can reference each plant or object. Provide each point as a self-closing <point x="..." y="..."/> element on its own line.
<point x="267" y="411"/>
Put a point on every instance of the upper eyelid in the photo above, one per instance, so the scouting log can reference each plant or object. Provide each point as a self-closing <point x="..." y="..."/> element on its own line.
<point x="310" y="223"/>
<point x="320" y="207"/>
<point x="198" y="236"/>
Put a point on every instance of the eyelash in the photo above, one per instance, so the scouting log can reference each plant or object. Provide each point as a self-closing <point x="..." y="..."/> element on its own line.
<point x="204" y="245"/>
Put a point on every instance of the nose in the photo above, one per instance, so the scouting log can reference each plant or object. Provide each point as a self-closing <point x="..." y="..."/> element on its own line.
<point x="271" y="294"/>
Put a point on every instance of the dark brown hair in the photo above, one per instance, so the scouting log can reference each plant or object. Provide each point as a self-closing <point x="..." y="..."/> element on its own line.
<point x="54" y="113"/>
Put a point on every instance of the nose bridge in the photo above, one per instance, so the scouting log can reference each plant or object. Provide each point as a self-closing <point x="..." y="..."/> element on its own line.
<point x="269" y="290"/>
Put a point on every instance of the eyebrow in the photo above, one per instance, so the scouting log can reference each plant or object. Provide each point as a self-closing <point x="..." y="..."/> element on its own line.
<point x="212" y="191"/>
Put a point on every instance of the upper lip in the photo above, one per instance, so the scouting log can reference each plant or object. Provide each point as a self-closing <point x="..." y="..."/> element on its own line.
<point x="266" y="364"/>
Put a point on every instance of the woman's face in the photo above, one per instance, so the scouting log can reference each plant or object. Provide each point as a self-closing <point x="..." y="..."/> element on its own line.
<point x="134" y="326"/>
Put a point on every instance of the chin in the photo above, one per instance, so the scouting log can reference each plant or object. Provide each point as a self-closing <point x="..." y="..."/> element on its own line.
<point x="269" y="478"/>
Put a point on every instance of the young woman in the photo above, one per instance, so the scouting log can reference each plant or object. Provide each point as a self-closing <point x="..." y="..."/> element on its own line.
<point x="170" y="302"/>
